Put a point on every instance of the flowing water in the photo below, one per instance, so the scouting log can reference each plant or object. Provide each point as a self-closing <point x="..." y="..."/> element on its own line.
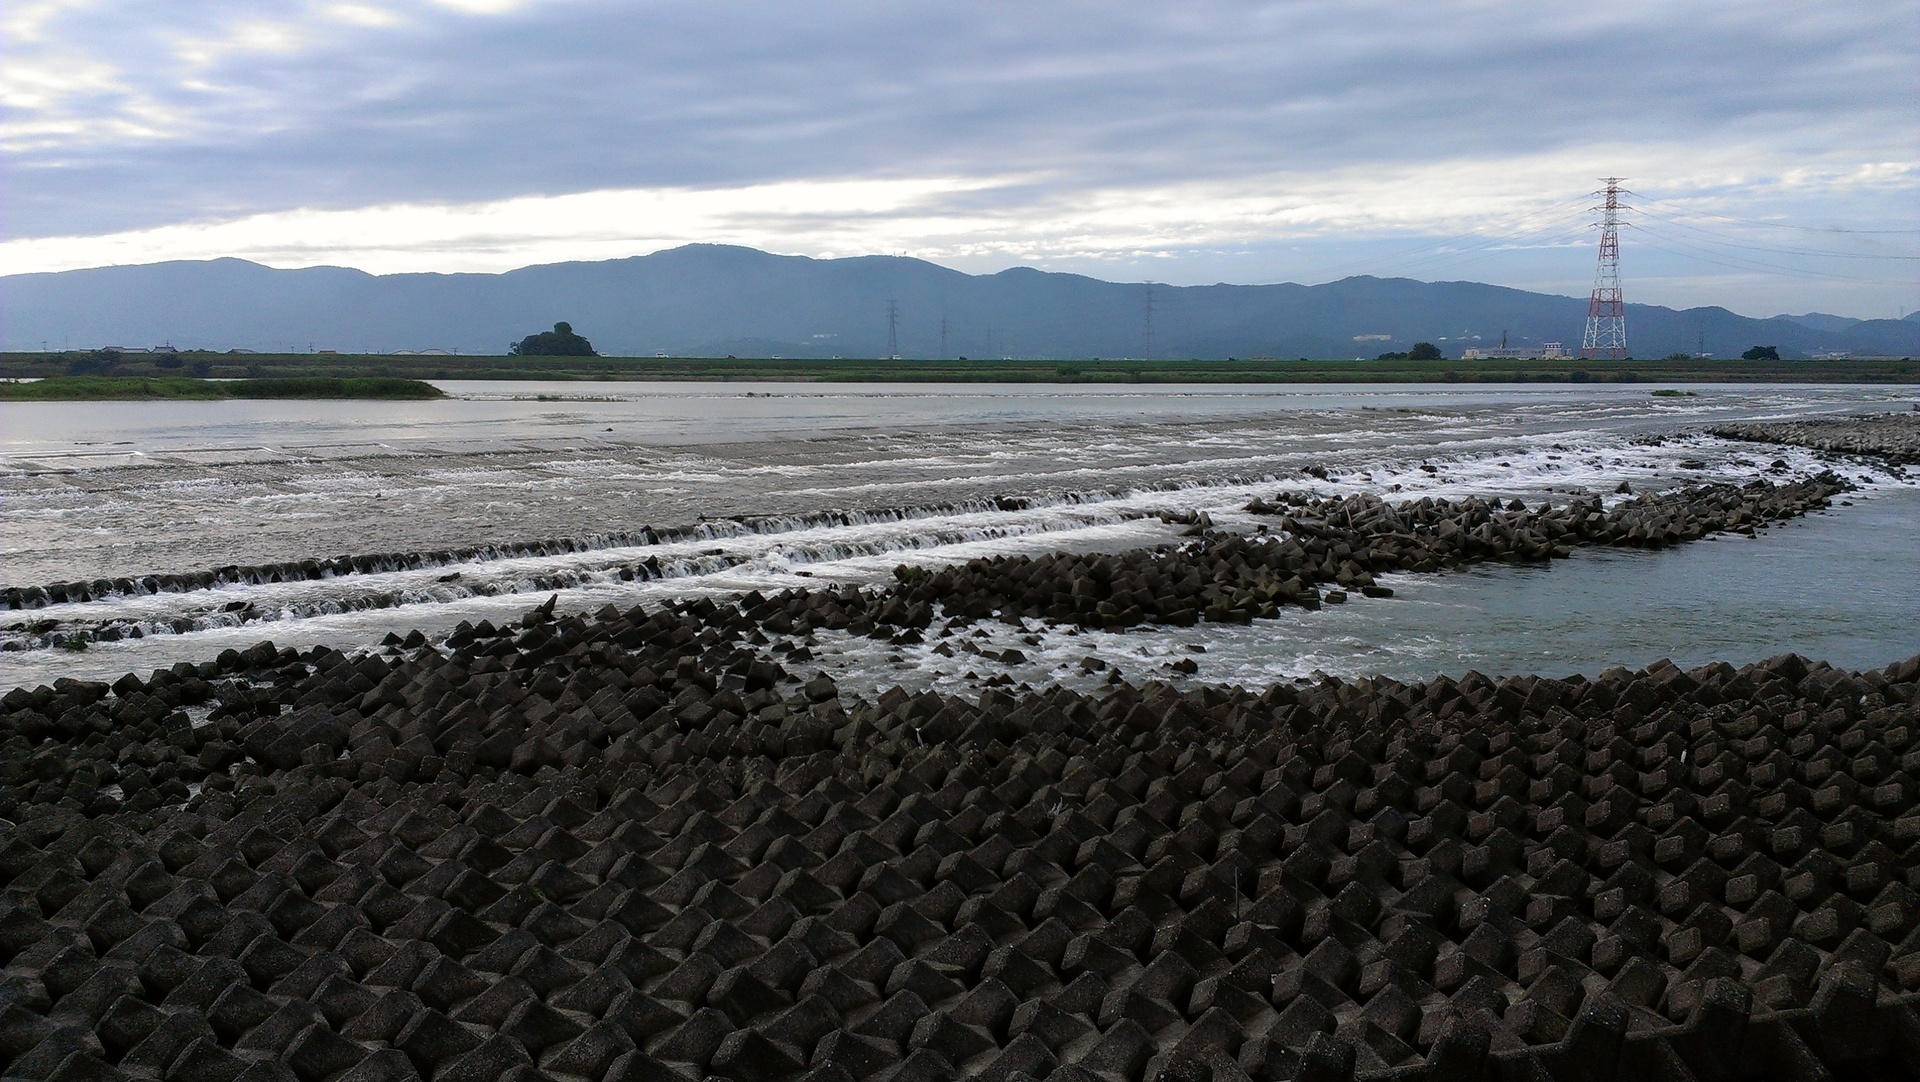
<point x="484" y="504"/>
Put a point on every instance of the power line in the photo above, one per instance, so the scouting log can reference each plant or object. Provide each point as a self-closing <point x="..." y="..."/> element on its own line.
<point x="1774" y="225"/>
<point x="1743" y="264"/>
<point x="1471" y="242"/>
<point x="1775" y="249"/>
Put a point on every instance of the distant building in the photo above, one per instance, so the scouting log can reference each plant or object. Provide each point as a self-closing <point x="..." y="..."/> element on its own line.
<point x="1546" y="351"/>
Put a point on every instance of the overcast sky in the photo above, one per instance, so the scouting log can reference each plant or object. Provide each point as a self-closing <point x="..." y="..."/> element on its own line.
<point x="1772" y="147"/>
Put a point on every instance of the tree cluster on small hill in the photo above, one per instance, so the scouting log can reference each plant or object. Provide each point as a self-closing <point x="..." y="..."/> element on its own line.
<point x="558" y="342"/>
<point x="1421" y="351"/>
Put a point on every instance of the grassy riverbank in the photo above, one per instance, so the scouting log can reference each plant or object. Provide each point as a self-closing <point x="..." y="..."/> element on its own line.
<point x="182" y="388"/>
<point x="343" y="365"/>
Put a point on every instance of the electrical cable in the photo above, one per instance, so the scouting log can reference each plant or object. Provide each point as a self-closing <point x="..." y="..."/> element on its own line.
<point x="1705" y="256"/>
<point x="1397" y="262"/>
<point x="1776" y="225"/>
<point x="1813" y="252"/>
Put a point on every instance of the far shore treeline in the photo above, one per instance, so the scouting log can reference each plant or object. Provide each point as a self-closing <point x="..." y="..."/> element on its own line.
<point x="190" y="374"/>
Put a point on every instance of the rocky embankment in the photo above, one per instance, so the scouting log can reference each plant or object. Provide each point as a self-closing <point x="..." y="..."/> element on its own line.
<point x="1342" y="543"/>
<point x="633" y="847"/>
<point x="1894" y="437"/>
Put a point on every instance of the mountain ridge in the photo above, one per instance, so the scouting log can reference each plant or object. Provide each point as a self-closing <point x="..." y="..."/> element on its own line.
<point x="714" y="300"/>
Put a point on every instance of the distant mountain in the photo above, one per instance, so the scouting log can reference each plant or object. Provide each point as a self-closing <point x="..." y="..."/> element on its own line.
<point x="1821" y="321"/>
<point x="711" y="300"/>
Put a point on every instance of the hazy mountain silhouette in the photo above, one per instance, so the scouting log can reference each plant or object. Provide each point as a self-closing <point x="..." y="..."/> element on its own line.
<point x="713" y="300"/>
<point x="1822" y="321"/>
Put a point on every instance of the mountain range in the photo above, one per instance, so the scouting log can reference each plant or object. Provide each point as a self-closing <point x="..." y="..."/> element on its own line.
<point x="715" y="300"/>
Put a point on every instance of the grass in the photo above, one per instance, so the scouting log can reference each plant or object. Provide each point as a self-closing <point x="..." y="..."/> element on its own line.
<point x="181" y="388"/>
<point x="333" y="387"/>
<point x="363" y="366"/>
<point x="108" y="388"/>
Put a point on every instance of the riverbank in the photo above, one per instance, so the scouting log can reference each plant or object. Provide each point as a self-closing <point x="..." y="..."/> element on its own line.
<point x="1052" y="371"/>
<point x="181" y="388"/>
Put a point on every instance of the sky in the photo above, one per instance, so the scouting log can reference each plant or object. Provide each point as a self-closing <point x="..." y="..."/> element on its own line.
<point x="1771" y="150"/>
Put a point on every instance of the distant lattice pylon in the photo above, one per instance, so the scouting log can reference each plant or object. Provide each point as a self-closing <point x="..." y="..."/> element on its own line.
<point x="1606" y="309"/>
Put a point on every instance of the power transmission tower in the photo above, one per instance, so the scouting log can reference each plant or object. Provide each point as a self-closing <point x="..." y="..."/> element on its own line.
<point x="943" y="337"/>
<point x="1146" y="325"/>
<point x="1606" y="310"/>
<point x="893" y="330"/>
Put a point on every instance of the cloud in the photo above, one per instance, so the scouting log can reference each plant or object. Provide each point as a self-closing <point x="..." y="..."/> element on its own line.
<point x="1063" y="130"/>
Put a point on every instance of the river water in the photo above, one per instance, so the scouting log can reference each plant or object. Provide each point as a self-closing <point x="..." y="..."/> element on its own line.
<point x="794" y="485"/>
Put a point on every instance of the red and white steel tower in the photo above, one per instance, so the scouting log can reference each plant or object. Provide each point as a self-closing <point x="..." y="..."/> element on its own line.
<point x="1606" y="310"/>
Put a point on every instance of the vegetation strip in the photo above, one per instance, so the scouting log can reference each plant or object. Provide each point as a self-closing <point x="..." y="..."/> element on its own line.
<point x="1065" y="371"/>
<point x="155" y="388"/>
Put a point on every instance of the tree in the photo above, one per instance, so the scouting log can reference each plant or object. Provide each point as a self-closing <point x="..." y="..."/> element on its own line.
<point x="558" y="342"/>
<point x="98" y="363"/>
<point x="1761" y="353"/>
<point x="1424" y="351"/>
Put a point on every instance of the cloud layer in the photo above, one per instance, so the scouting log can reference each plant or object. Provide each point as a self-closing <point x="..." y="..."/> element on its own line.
<point x="1185" y="142"/>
